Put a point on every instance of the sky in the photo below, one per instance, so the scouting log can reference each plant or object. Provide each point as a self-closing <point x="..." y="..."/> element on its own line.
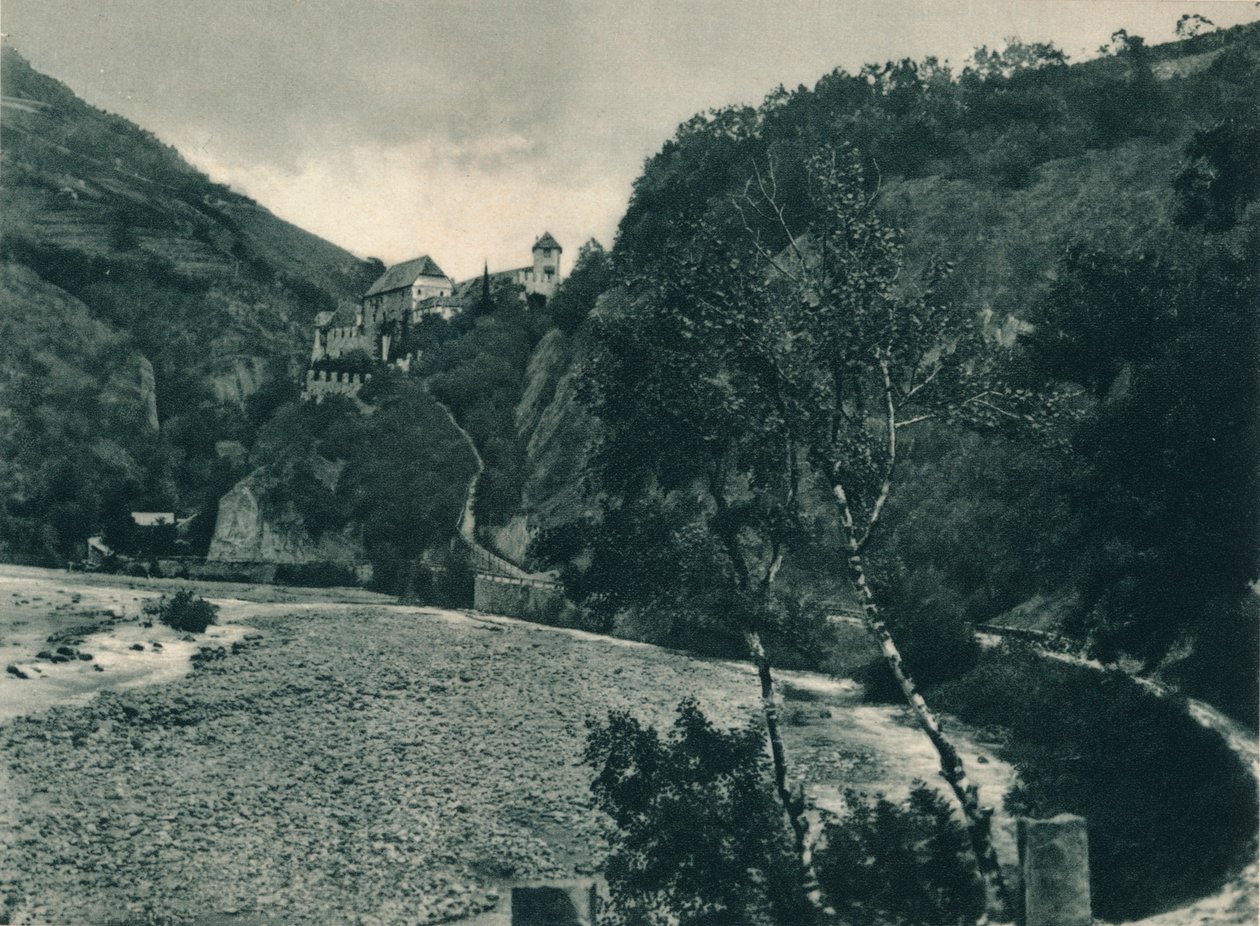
<point x="465" y="129"/>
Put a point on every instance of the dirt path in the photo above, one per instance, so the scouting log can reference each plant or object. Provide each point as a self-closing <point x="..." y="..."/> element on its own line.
<point x="364" y="763"/>
<point x="1237" y="902"/>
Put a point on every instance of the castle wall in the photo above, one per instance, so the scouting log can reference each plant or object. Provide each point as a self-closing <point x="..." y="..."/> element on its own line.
<point x="426" y="287"/>
<point x="338" y="341"/>
<point x="527" y="599"/>
<point x="321" y="383"/>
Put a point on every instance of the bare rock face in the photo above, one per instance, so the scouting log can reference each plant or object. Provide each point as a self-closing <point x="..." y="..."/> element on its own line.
<point x="558" y="431"/>
<point x="246" y="532"/>
<point x="239" y="378"/>
<point x="148" y="392"/>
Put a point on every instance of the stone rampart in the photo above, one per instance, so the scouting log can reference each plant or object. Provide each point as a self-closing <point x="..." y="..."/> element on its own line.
<point x="528" y="599"/>
<point x="338" y="341"/>
<point x="321" y="383"/>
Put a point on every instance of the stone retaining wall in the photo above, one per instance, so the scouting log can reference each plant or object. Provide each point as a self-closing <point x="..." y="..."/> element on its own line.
<point x="528" y="599"/>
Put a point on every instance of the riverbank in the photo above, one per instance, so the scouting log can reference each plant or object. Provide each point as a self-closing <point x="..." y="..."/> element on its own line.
<point x="360" y="762"/>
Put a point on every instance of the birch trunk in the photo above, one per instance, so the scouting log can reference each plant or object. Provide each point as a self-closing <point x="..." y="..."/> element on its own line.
<point x="793" y="803"/>
<point x="978" y="818"/>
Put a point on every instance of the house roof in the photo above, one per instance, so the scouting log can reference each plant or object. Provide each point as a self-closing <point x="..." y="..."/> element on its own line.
<point x="546" y="241"/>
<point x="471" y="288"/>
<point x="400" y="276"/>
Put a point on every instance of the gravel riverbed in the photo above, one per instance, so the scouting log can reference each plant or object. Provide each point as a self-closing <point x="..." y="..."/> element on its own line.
<point x="361" y="764"/>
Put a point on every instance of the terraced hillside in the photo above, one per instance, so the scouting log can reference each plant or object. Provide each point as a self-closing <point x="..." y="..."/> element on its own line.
<point x="202" y="298"/>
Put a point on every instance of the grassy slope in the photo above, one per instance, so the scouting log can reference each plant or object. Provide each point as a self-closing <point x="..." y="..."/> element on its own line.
<point x="1005" y="243"/>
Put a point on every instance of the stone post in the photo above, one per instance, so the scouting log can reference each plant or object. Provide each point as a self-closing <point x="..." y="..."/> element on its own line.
<point x="1054" y="871"/>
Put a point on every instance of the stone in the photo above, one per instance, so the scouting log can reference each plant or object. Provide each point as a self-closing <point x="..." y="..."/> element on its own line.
<point x="1054" y="868"/>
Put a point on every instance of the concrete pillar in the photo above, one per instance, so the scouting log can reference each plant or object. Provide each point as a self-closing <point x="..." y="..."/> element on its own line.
<point x="1054" y="869"/>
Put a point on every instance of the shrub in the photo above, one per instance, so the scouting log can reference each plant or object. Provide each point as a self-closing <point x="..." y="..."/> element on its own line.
<point x="316" y="575"/>
<point x="183" y="611"/>
<point x="1169" y="807"/>
<point x="1223" y="666"/>
<point x="700" y="839"/>
<point x="900" y="863"/>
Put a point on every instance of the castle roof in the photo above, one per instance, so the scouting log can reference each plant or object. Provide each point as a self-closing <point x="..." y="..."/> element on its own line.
<point x="401" y="276"/>
<point x="440" y="301"/>
<point x="546" y="241"/>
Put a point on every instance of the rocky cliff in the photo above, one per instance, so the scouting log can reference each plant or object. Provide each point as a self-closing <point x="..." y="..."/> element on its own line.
<point x="251" y="528"/>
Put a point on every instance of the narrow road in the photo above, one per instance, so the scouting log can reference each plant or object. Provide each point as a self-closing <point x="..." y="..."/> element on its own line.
<point x="484" y="559"/>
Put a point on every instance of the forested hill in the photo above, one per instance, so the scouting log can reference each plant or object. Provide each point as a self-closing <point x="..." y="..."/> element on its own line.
<point x="1103" y="217"/>
<point x="147" y="313"/>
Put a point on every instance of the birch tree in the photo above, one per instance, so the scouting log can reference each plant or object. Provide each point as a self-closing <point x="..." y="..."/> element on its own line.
<point x="864" y="353"/>
<point x="700" y="472"/>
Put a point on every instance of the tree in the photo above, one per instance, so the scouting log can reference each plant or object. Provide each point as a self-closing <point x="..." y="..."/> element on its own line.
<point x="1017" y="56"/>
<point x="592" y="276"/>
<point x="1192" y="24"/>
<point x="747" y="367"/>
<point x="484" y="303"/>
<point x="857" y="355"/>
<point x="699" y="478"/>
<point x="1220" y="176"/>
<point x="699" y="840"/>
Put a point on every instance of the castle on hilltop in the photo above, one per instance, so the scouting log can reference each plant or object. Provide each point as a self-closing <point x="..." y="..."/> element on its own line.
<point x="348" y="343"/>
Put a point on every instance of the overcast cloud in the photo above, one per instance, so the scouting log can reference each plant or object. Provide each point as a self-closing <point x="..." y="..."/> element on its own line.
<point x="463" y="129"/>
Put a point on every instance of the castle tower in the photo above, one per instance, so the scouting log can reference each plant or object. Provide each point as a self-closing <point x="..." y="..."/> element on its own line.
<point x="546" y="266"/>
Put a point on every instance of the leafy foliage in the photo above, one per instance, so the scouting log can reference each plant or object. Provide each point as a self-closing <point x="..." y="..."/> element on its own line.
<point x="1006" y="115"/>
<point x="1220" y="177"/>
<point x="183" y="611"/>
<point x="1169" y="807"/>
<point x="901" y="863"/>
<point x="152" y="284"/>
<point x="699" y="839"/>
<point x="396" y="475"/>
<point x="480" y="376"/>
<point x="592" y="275"/>
<point x="1168" y="494"/>
<point x="926" y="618"/>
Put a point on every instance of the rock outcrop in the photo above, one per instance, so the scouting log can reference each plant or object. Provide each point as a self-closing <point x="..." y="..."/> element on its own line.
<point x="148" y="393"/>
<point x="247" y="530"/>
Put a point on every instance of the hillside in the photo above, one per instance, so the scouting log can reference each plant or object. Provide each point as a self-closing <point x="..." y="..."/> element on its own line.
<point x="150" y="313"/>
<point x="1102" y="218"/>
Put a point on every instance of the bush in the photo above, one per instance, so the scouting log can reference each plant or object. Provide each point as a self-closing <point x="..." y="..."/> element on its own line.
<point x="316" y="575"/>
<point x="1170" y="808"/>
<point x="1223" y="666"/>
<point x="184" y="612"/>
<point x="700" y="838"/>
<point x="901" y="863"/>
